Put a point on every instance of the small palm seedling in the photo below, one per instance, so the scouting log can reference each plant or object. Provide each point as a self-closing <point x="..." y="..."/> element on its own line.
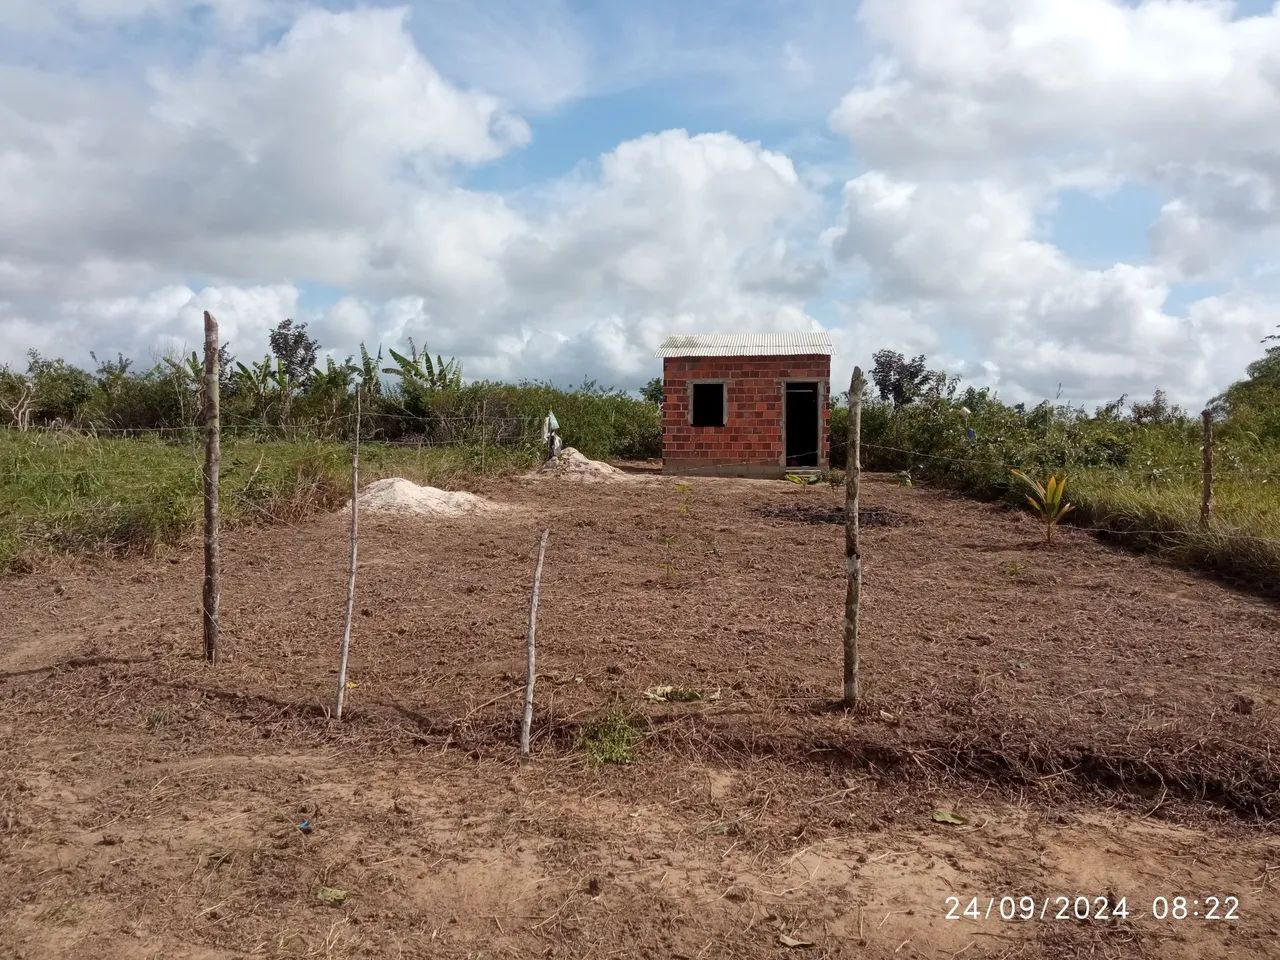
<point x="1047" y="501"/>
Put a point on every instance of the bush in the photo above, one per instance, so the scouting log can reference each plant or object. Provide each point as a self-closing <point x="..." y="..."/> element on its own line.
<point x="602" y="423"/>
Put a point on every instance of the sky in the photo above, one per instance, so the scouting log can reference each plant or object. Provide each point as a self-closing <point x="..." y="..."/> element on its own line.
<point x="1071" y="199"/>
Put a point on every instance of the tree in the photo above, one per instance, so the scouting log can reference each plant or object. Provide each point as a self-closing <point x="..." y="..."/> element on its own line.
<point x="17" y="396"/>
<point x="295" y="349"/>
<point x="652" y="391"/>
<point x="58" y="388"/>
<point x="1253" y="404"/>
<point x="1112" y="410"/>
<point x="898" y="379"/>
<point x="1157" y="410"/>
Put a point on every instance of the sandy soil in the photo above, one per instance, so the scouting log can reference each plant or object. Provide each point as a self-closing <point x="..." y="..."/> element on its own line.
<point x="395" y="495"/>
<point x="1102" y="723"/>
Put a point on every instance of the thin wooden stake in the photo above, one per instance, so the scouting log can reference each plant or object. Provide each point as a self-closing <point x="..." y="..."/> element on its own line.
<point x="1206" y="483"/>
<point x="212" y="592"/>
<point x="527" y="722"/>
<point x="853" y="558"/>
<point x="345" y="649"/>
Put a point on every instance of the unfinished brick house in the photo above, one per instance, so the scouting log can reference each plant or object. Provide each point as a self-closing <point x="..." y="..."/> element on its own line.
<point x="745" y="405"/>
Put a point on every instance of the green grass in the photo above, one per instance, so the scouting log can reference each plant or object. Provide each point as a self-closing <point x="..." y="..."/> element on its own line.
<point x="1242" y="538"/>
<point x="72" y="492"/>
<point x="1141" y="482"/>
<point x="610" y="737"/>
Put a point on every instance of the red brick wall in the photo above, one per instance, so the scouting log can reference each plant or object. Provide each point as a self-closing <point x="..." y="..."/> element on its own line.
<point x="753" y="435"/>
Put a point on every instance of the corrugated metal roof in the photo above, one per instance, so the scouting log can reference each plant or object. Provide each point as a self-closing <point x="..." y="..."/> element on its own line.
<point x="747" y="345"/>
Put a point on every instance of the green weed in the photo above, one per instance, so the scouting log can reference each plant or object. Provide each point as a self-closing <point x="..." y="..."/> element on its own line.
<point x="610" y="737"/>
<point x="71" y="492"/>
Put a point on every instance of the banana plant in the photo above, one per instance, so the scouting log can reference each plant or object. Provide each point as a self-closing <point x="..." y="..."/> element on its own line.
<point x="1047" y="501"/>
<point x="256" y="380"/>
<point x="188" y="377"/>
<point x="286" y="387"/>
<point x="270" y="383"/>
<point x="333" y="376"/>
<point x="330" y="387"/>
<point x="420" y="375"/>
<point x="370" y="372"/>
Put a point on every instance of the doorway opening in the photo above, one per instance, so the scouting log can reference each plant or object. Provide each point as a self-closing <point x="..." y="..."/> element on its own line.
<point x="801" y="416"/>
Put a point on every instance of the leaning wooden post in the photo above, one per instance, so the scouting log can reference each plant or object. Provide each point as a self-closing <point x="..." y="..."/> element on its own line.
<point x="853" y="559"/>
<point x="345" y="649"/>
<point x="1206" y="482"/>
<point x="527" y="722"/>
<point x="212" y="462"/>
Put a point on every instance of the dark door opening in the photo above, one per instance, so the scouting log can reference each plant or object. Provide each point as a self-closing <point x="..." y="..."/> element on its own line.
<point x="802" y="424"/>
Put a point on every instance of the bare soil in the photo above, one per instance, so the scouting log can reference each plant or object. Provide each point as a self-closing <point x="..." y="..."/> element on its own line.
<point x="1102" y="723"/>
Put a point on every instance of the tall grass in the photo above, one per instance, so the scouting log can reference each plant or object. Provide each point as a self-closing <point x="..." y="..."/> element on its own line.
<point x="1241" y="540"/>
<point x="1140" y="481"/>
<point x="67" y="491"/>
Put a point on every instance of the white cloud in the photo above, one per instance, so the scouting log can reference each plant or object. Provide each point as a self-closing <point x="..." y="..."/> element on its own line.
<point x="273" y="148"/>
<point x="329" y="88"/>
<point x="975" y="114"/>
<point x="281" y="162"/>
<point x="150" y="326"/>
<point x="945" y="239"/>
<point x="1176" y="94"/>
<point x="963" y="258"/>
<point x="332" y="155"/>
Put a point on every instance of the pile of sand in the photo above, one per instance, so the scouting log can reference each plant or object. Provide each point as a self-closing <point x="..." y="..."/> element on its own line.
<point x="569" y="464"/>
<point x="397" y="495"/>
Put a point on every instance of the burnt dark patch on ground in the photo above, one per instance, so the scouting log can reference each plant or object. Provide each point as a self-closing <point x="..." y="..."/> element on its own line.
<point x="822" y="513"/>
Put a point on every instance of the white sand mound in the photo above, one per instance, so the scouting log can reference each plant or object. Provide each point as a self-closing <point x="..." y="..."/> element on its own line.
<point x="397" y="495"/>
<point x="569" y="464"/>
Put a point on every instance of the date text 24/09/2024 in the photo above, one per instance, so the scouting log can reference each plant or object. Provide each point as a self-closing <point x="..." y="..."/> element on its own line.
<point x="1206" y="907"/>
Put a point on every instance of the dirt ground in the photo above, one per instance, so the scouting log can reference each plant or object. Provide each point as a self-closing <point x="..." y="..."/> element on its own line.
<point x="1102" y="723"/>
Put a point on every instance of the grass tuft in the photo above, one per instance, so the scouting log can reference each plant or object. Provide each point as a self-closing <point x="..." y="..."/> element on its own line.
<point x="610" y="737"/>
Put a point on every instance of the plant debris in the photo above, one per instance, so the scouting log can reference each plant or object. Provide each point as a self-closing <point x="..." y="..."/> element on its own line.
<point x="821" y="513"/>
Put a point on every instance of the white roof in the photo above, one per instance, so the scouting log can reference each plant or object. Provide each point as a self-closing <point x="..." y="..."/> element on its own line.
<point x="747" y="345"/>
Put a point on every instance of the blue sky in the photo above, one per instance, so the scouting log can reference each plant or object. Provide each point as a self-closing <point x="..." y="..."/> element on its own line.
<point x="1033" y="193"/>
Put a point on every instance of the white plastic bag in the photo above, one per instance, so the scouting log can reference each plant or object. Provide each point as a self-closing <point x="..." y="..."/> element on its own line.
<point x="551" y="435"/>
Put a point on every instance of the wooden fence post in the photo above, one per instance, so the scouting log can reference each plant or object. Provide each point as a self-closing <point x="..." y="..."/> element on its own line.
<point x="345" y="649"/>
<point x="527" y="722"/>
<point x="1206" y="483"/>
<point x="853" y="558"/>
<point x="212" y="592"/>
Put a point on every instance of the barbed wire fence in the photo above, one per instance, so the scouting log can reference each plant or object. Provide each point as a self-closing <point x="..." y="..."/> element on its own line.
<point x="1210" y="526"/>
<point x="70" y="484"/>
<point x="86" y="472"/>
